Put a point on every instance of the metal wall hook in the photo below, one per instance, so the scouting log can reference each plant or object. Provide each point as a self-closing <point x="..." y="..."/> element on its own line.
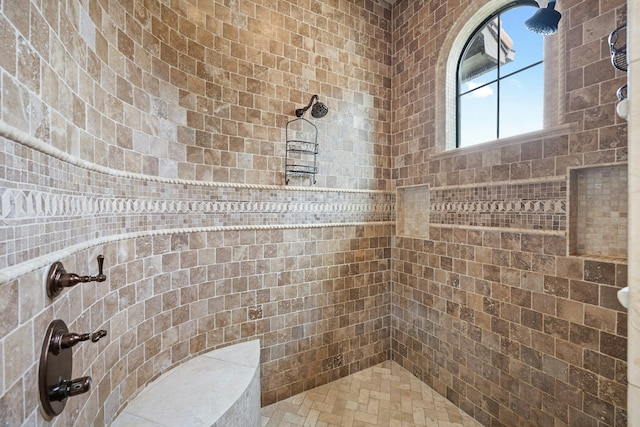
<point x="58" y="278"/>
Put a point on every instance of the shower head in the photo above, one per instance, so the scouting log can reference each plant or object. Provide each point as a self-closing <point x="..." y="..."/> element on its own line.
<point x="318" y="111"/>
<point x="545" y="20"/>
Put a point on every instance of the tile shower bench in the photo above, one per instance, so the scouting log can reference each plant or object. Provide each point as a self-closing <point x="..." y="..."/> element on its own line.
<point x="218" y="389"/>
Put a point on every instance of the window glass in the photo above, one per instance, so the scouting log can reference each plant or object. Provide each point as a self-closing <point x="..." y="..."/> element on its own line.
<point x="500" y="78"/>
<point x="478" y="67"/>
<point x="478" y="114"/>
<point x="526" y="46"/>
<point x="521" y="101"/>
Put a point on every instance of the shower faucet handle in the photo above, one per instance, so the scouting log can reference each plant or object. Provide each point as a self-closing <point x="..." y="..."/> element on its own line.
<point x="68" y="388"/>
<point x="95" y="337"/>
<point x="70" y="339"/>
<point x="100" y="277"/>
<point x="58" y="278"/>
<point x="61" y="340"/>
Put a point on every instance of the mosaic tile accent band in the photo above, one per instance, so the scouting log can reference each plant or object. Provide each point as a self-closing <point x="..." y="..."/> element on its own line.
<point x="537" y="205"/>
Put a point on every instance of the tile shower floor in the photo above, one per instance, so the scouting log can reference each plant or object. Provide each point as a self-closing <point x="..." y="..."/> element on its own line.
<point x="383" y="395"/>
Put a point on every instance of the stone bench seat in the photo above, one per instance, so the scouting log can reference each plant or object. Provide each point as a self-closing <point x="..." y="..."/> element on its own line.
<point x="219" y="388"/>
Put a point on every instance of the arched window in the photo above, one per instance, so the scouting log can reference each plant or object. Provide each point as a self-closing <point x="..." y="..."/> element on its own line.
<point x="500" y="78"/>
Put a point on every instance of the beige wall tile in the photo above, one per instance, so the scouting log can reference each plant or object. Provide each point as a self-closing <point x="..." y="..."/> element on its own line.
<point x="492" y="317"/>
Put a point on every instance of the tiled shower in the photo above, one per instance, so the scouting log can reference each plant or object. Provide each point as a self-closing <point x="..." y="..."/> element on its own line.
<point x="152" y="132"/>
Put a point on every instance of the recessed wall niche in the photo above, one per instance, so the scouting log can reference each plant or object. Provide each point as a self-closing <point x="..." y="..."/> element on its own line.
<point x="598" y="211"/>
<point x="412" y="211"/>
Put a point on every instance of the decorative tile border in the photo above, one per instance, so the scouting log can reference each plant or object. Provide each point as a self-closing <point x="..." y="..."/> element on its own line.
<point x="525" y="205"/>
<point x="528" y="206"/>
<point x="23" y="204"/>
<point x="50" y="201"/>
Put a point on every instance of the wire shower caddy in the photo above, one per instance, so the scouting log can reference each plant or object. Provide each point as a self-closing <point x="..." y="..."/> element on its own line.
<point x="301" y="150"/>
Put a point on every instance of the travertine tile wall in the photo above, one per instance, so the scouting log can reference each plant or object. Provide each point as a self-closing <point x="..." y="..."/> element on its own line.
<point x="317" y="298"/>
<point x="201" y="89"/>
<point x="153" y="132"/>
<point x="491" y="310"/>
<point x="193" y="95"/>
<point x="66" y="213"/>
